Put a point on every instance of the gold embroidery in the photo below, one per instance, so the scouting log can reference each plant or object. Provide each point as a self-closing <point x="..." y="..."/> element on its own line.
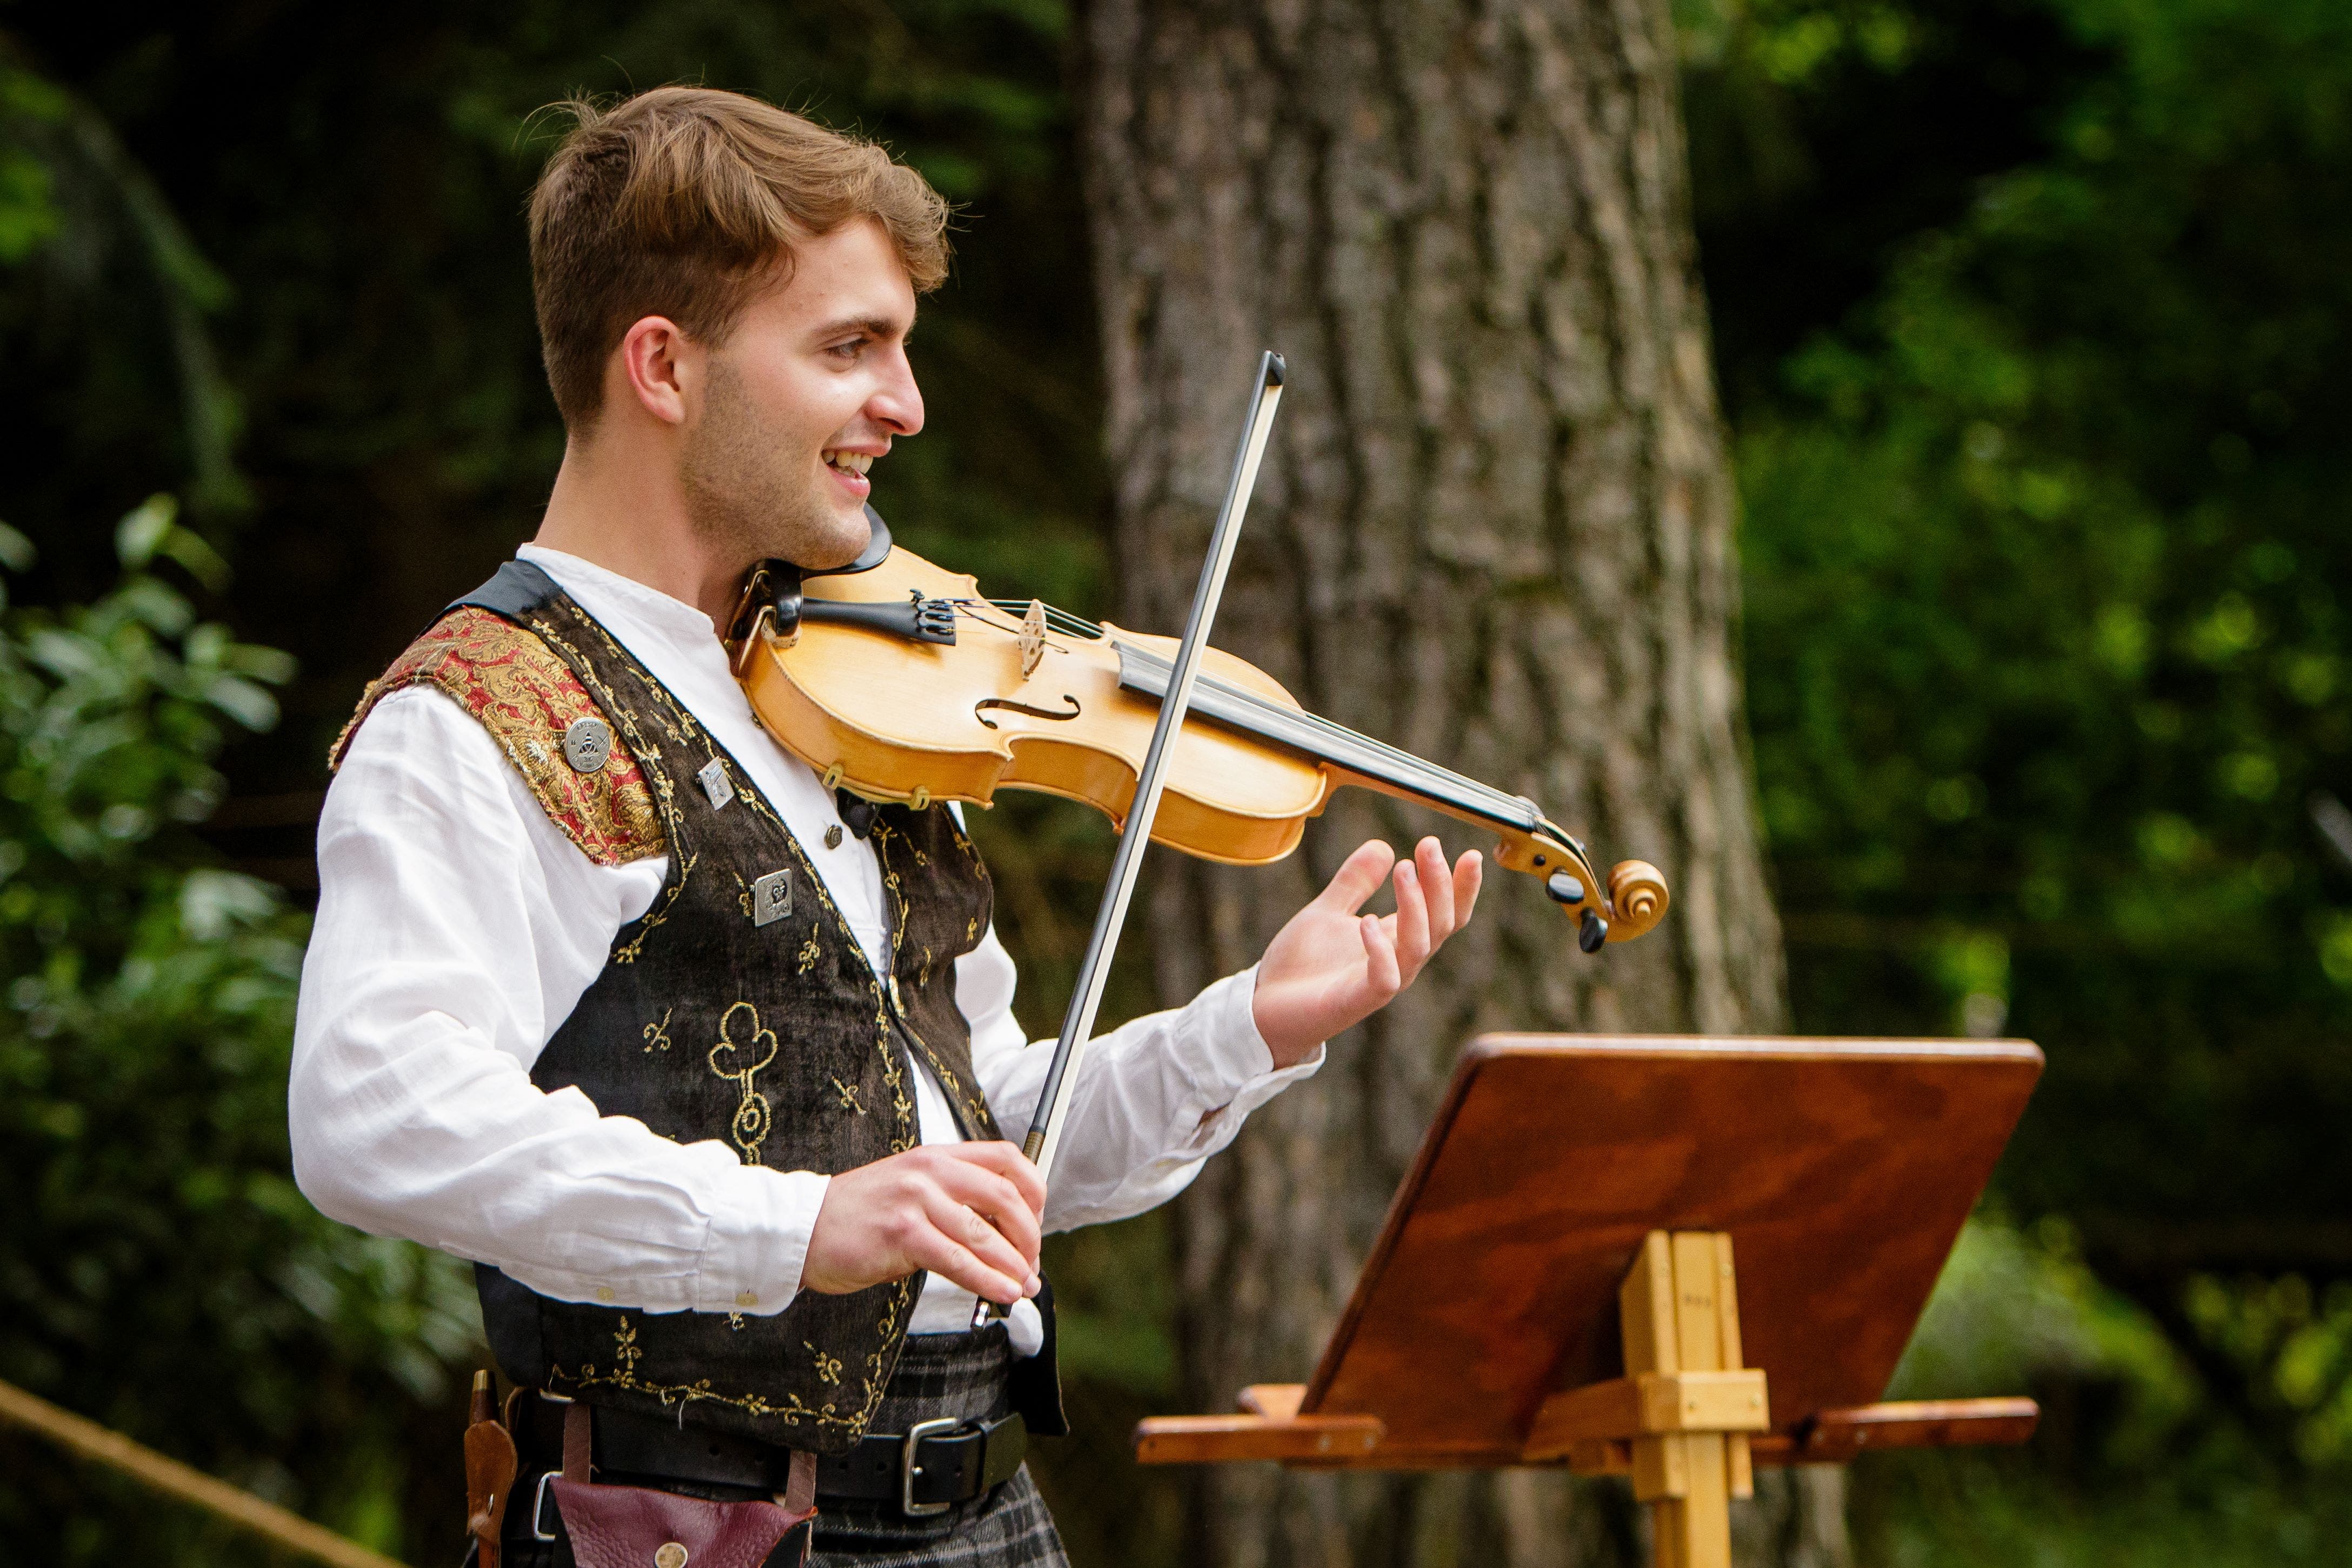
<point x="675" y="721"/>
<point x="900" y="1297"/>
<point x="735" y="1322"/>
<point x="810" y="953"/>
<point x="847" y="1094"/>
<point x="513" y="681"/>
<point x="627" y="1352"/>
<point x="752" y="1116"/>
<point x="903" y="1132"/>
<point x="828" y="1368"/>
<point x="657" y="1034"/>
<point x="665" y="796"/>
<point x="626" y="953"/>
<point x="976" y="1116"/>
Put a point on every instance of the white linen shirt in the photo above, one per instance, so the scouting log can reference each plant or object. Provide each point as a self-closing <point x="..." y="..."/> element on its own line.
<point x="457" y="926"/>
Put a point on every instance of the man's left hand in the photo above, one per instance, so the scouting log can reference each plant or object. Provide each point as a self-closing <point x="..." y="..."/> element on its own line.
<point x="1332" y="966"/>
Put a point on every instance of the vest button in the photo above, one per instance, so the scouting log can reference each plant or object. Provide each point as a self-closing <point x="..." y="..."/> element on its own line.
<point x="670" y="1554"/>
<point x="587" y="743"/>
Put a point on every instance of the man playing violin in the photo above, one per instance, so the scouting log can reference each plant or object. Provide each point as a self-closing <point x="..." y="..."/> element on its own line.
<point x="704" y="1066"/>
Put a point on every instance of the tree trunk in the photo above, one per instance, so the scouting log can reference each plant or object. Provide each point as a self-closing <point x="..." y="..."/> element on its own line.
<point x="1495" y="529"/>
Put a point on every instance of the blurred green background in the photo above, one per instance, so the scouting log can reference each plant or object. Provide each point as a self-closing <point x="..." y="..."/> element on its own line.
<point x="2030" y="319"/>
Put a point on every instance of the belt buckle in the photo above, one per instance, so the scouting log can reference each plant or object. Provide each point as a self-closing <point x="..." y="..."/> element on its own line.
<point x="907" y="1465"/>
<point x="539" y="1530"/>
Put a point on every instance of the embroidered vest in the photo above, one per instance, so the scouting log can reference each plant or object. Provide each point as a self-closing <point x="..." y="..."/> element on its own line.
<point x="739" y="1008"/>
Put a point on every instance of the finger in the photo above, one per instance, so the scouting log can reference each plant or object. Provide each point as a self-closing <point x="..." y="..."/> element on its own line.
<point x="1436" y="888"/>
<point x="1358" y="878"/>
<point x="976" y="1254"/>
<point x="936" y="1252"/>
<point x="1007" y="1160"/>
<point x="1469" y="874"/>
<point x="1411" y="923"/>
<point x="1380" y="974"/>
<point x="997" y="1200"/>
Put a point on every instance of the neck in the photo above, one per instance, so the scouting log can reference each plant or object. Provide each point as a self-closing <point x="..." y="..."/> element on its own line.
<point x="618" y="503"/>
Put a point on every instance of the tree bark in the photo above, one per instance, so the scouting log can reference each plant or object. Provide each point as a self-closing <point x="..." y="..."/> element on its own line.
<point x="1495" y="529"/>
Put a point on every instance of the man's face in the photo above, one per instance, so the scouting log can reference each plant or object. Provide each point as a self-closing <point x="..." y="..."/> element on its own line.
<point x="800" y="400"/>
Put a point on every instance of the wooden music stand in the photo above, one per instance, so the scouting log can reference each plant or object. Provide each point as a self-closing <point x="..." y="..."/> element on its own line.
<point x="1555" y="1284"/>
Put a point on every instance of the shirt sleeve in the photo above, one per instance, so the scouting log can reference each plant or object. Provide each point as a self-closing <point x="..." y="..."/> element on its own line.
<point x="1155" y="1097"/>
<point x="457" y="929"/>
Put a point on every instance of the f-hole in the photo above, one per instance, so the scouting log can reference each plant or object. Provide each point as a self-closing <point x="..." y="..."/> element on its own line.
<point x="980" y="709"/>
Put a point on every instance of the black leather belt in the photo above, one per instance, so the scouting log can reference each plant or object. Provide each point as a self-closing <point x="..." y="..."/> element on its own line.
<point x="924" y="1471"/>
<point x="927" y="1468"/>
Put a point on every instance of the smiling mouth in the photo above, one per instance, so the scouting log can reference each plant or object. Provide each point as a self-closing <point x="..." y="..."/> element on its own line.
<point x="850" y="463"/>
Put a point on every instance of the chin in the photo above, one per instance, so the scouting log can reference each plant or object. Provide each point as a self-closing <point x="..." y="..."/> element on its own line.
<point x="835" y="539"/>
<point x="846" y="543"/>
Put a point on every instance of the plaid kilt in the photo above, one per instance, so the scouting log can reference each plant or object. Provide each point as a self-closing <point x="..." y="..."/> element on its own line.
<point x="945" y="1374"/>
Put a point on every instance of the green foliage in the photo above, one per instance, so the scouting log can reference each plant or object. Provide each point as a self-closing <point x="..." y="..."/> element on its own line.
<point x="1961" y="1510"/>
<point x="2046" y="643"/>
<point x="2047" y="646"/>
<point x="28" y="215"/>
<point x="97" y="237"/>
<point x="158" y="1270"/>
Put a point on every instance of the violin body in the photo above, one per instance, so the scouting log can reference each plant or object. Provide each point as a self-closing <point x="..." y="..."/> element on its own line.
<point x="984" y="697"/>
<point x="923" y="722"/>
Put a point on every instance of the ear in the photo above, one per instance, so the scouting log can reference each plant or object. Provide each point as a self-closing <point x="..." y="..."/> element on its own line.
<point x="662" y="365"/>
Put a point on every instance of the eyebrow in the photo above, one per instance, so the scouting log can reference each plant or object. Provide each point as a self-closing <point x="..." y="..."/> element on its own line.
<point x="872" y="326"/>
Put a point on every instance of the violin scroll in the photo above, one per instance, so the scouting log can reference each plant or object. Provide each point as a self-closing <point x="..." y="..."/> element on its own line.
<point x="1637" y="891"/>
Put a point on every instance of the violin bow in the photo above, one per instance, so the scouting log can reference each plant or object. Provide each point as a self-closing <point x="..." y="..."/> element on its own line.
<point x="1045" y="1138"/>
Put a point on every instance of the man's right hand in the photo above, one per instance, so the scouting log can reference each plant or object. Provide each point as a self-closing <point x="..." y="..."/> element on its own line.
<point x="967" y="1211"/>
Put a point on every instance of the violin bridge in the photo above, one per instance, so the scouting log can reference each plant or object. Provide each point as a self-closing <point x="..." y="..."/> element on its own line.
<point x="1032" y="638"/>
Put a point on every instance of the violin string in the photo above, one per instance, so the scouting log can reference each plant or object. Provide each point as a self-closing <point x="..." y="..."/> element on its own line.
<point x="1468" y="789"/>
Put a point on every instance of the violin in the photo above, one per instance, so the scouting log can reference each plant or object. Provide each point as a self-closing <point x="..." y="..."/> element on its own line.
<point x="897" y="680"/>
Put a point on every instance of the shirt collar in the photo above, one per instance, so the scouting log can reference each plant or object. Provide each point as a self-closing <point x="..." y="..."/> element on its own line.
<point x="673" y="618"/>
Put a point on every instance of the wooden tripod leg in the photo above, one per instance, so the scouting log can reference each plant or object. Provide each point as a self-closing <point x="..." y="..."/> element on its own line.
<point x="1679" y="1312"/>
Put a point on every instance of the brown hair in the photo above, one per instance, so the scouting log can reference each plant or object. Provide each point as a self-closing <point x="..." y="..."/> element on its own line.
<point x="686" y="202"/>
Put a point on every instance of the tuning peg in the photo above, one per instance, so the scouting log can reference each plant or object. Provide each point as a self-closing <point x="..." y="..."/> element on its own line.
<point x="1592" y="932"/>
<point x="1564" y="888"/>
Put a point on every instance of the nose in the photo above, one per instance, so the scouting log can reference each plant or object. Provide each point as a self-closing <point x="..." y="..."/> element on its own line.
<point x="897" y="402"/>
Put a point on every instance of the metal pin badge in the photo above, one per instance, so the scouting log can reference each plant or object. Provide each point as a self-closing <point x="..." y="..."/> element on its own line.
<point x="715" y="782"/>
<point x="771" y="898"/>
<point x="833" y="837"/>
<point x="587" y="743"/>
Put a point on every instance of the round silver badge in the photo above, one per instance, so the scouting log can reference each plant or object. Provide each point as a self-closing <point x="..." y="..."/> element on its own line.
<point x="587" y="742"/>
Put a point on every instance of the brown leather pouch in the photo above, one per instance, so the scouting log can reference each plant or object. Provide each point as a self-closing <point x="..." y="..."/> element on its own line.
<point x="490" y="1472"/>
<point x="630" y="1527"/>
